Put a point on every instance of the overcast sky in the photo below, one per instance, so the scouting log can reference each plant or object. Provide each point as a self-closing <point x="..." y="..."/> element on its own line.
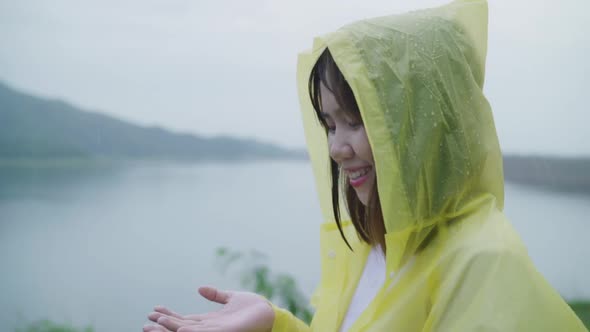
<point x="228" y="66"/>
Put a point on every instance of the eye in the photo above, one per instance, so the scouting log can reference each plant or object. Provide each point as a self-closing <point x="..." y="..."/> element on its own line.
<point x="355" y="124"/>
<point x="330" y="126"/>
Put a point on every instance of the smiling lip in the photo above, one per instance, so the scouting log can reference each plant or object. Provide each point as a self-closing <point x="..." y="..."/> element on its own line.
<point x="358" y="181"/>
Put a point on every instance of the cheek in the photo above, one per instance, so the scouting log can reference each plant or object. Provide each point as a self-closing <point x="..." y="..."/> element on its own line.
<point x="369" y="153"/>
<point x="330" y="144"/>
<point x="363" y="146"/>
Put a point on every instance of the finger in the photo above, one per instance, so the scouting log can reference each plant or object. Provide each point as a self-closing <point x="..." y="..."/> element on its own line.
<point x="215" y="295"/>
<point x="154" y="328"/>
<point x="197" y="328"/>
<point x="168" y="312"/>
<point x="200" y="317"/>
<point x="172" y="323"/>
<point x="153" y="316"/>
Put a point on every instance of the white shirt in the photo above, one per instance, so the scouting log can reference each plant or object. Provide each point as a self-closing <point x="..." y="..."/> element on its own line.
<point x="371" y="281"/>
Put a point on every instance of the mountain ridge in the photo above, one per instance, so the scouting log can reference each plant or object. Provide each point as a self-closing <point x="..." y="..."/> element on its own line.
<point x="39" y="128"/>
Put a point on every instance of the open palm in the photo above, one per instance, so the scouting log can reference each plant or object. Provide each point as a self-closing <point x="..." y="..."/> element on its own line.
<point x="241" y="312"/>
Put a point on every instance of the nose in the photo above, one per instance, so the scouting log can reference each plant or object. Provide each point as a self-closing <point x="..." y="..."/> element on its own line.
<point x="340" y="148"/>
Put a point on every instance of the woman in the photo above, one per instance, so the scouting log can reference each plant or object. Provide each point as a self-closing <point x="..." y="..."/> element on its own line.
<point x="411" y="144"/>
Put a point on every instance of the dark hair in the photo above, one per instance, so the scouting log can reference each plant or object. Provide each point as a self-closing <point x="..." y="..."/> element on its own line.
<point x="368" y="221"/>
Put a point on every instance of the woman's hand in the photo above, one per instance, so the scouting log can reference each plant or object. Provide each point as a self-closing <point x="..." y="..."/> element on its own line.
<point x="241" y="312"/>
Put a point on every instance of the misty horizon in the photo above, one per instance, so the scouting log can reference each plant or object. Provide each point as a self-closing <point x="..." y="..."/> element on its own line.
<point x="228" y="68"/>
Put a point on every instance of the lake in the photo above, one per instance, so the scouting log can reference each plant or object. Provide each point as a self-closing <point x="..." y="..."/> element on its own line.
<point x="102" y="245"/>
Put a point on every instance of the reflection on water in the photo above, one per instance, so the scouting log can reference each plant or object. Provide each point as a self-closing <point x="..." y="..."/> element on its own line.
<point x="46" y="183"/>
<point x="101" y="245"/>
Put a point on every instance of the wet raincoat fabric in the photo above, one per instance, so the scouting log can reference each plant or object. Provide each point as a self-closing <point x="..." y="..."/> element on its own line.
<point x="454" y="262"/>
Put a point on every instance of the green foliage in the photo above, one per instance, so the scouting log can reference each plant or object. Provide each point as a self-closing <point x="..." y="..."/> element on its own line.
<point x="256" y="276"/>
<point x="48" y="326"/>
<point x="582" y="309"/>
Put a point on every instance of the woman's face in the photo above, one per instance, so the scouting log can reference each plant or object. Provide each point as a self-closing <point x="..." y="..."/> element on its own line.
<point x="349" y="146"/>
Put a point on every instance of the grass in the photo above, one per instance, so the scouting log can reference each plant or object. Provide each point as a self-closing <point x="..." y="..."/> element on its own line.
<point x="49" y="326"/>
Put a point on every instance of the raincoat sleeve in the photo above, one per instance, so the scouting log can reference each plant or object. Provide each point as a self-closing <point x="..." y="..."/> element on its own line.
<point x="498" y="290"/>
<point x="286" y="322"/>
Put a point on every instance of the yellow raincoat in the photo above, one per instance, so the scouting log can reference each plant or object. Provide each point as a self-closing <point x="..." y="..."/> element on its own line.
<point x="418" y="80"/>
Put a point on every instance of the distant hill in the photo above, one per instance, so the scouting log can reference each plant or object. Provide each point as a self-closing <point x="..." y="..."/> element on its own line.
<point x="562" y="174"/>
<point x="34" y="128"/>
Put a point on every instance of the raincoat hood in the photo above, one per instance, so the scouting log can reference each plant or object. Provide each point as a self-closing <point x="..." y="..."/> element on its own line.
<point x="418" y="80"/>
